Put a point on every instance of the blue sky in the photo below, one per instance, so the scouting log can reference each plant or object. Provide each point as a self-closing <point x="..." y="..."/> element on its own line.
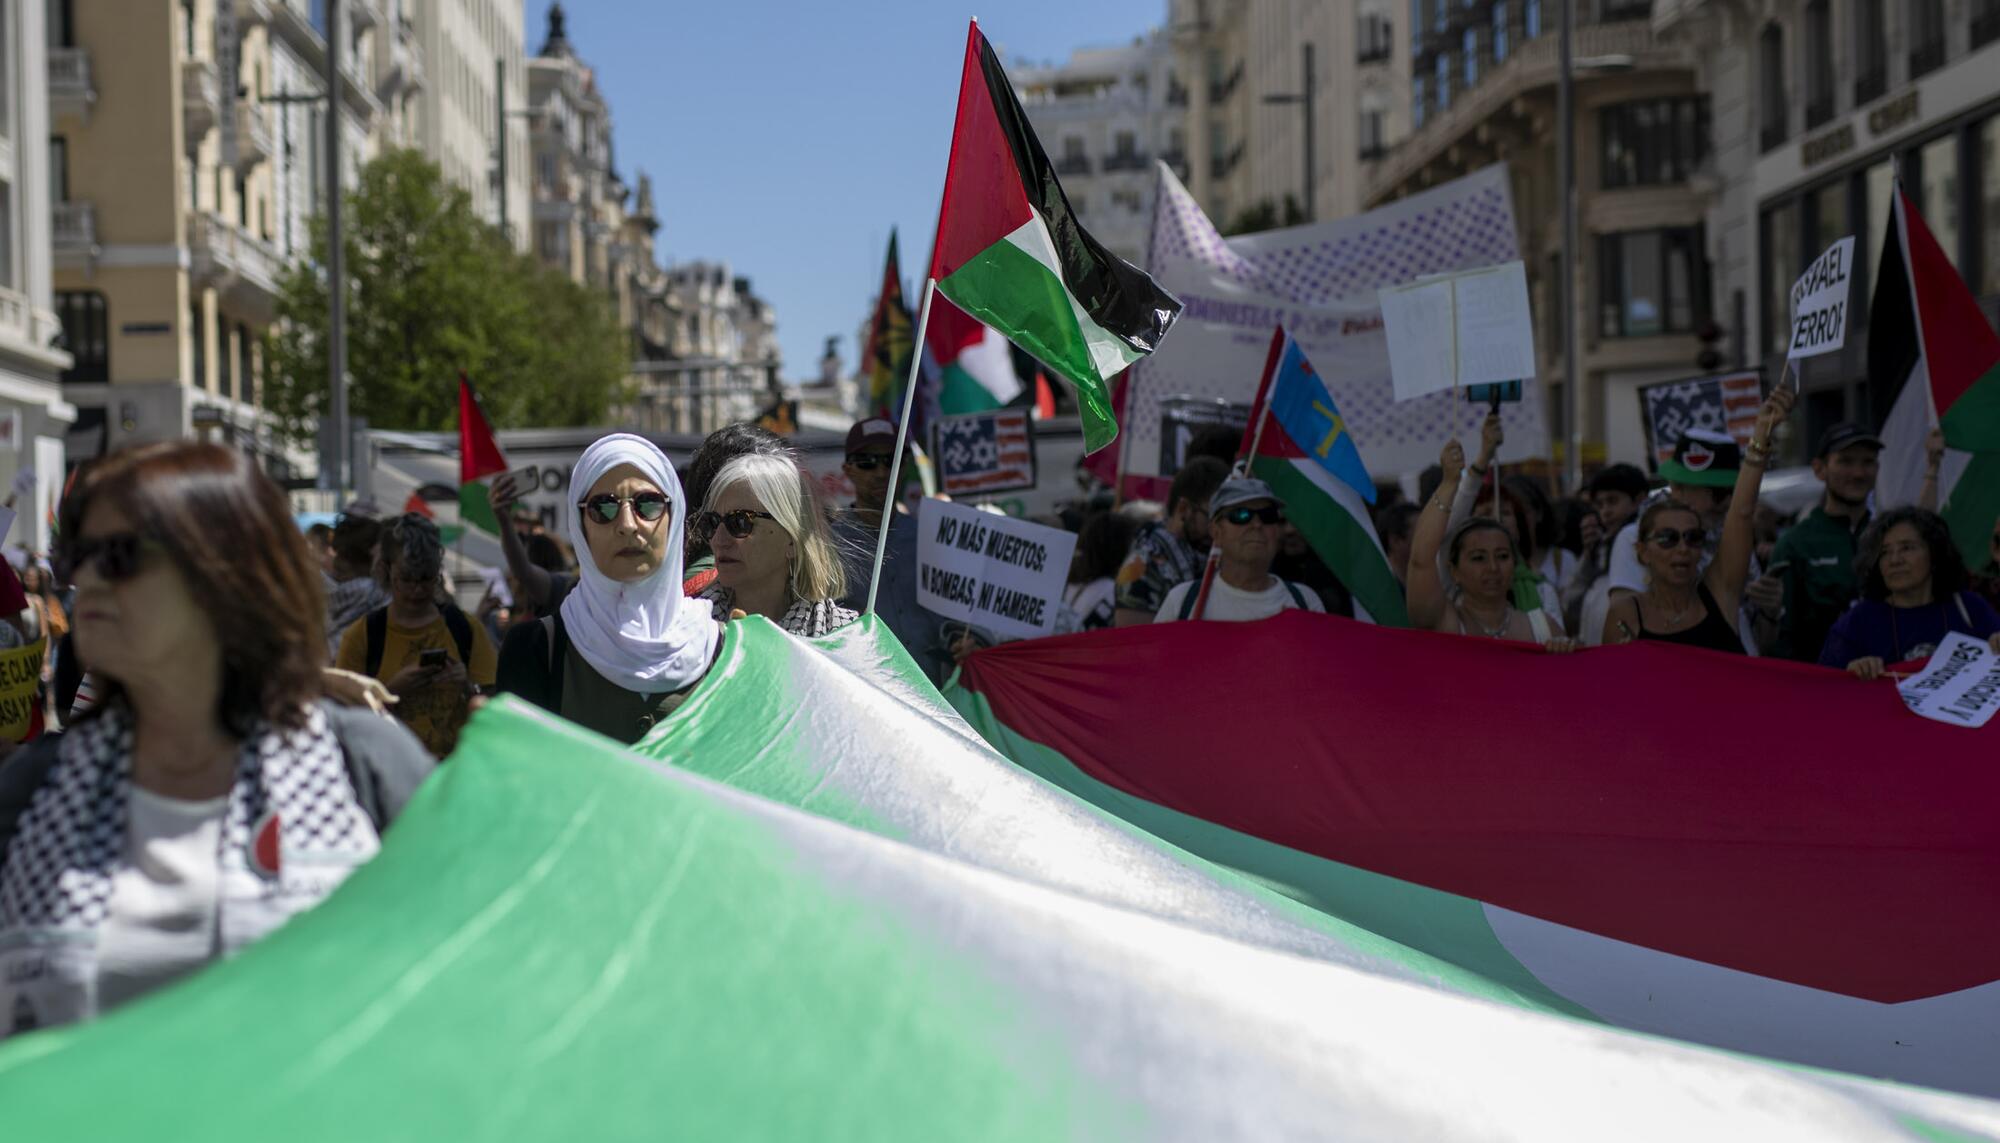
<point x="788" y="137"/>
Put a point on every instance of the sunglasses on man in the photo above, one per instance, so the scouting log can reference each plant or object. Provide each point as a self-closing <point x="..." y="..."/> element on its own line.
<point x="1269" y="514"/>
<point x="1668" y="538"/>
<point x="740" y="523"/>
<point x="604" y="507"/>
<point x="114" y="558"/>
<point x="869" y="461"/>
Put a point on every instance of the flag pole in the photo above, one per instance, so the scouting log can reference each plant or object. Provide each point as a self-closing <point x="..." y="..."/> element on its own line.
<point x="902" y="438"/>
<point x="1246" y="453"/>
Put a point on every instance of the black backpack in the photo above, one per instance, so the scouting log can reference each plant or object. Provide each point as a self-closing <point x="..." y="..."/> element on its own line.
<point x="378" y="634"/>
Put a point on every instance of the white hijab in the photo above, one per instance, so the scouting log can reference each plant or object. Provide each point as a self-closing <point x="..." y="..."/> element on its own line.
<point x="645" y="636"/>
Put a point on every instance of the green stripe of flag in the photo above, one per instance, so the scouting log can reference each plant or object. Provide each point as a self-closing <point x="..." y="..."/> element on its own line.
<point x="475" y="507"/>
<point x="1333" y="519"/>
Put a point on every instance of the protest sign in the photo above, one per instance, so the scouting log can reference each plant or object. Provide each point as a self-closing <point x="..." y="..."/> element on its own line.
<point x="985" y="452"/>
<point x="20" y="677"/>
<point x="24" y="482"/>
<point x="1320" y="283"/>
<point x="7" y="517"/>
<point x="1722" y="403"/>
<point x="997" y="573"/>
<point x="1819" y="302"/>
<point x="1453" y="330"/>
<point x="1960" y="686"/>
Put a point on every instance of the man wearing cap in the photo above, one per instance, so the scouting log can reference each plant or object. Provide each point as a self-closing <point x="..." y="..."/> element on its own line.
<point x="1246" y="520"/>
<point x="871" y="447"/>
<point x="1815" y="557"/>
<point x="1702" y="474"/>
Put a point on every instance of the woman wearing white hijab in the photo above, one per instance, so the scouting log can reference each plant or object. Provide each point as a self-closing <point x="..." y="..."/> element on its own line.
<point x="627" y="646"/>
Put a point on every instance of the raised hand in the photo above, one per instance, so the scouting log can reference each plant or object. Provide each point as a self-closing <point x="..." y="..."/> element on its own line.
<point x="1867" y="668"/>
<point x="1491" y="437"/>
<point x="1776" y="408"/>
<point x="1452" y="460"/>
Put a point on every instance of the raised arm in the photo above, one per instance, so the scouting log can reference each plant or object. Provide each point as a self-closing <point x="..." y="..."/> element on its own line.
<point x="1425" y="589"/>
<point x="1927" y="497"/>
<point x="1731" y="569"/>
<point x="534" y="581"/>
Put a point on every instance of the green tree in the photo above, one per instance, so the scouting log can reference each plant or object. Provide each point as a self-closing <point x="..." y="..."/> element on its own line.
<point x="432" y="289"/>
<point x="1264" y="216"/>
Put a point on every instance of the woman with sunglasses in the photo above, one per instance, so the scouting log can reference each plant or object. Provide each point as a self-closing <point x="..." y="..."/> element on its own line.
<point x="211" y="796"/>
<point x="774" y="553"/>
<point x="1682" y="603"/>
<point x="626" y="647"/>
<point x="1913" y="594"/>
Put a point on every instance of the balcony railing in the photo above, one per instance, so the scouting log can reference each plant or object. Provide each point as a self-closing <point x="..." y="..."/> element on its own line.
<point x="253" y="136"/>
<point x="74" y="227"/>
<point x="199" y="100"/>
<point x="1819" y="111"/>
<point x="1926" y="58"/>
<point x="1986" y="25"/>
<point x="231" y="258"/>
<point x="1772" y="136"/>
<point x="1871" y="85"/>
<point x="1373" y="54"/>
<point x="1127" y="161"/>
<point x="1073" y="165"/>
<point x="70" y="88"/>
<point x="1221" y="90"/>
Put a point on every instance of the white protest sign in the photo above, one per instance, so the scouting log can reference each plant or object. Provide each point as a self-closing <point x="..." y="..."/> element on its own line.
<point x="1819" y="302"/>
<point x="1960" y="686"/>
<point x="1454" y="330"/>
<point x="994" y="572"/>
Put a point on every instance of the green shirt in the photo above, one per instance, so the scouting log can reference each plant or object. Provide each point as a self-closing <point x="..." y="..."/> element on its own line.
<point x="1817" y="558"/>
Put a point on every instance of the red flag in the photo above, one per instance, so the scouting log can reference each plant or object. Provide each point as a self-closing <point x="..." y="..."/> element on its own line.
<point x="416" y="504"/>
<point x="478" y="452"/>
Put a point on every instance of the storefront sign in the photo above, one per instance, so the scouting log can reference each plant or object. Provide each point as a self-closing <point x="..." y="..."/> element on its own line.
<point x="1894" y="113"/>
<point x="1818" y="150"/>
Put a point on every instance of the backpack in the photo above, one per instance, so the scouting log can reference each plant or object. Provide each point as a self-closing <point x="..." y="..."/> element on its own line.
<point x="378" y="634"/>
<point x="1188" y="600"/>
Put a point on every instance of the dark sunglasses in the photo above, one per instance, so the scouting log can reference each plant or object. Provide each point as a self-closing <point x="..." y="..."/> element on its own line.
<point x="604" y="507"/>
<point x="114" y="558"/>
<point x="1269" y="514"/>
<point x="1668" y="538"/>
<point x="868" y="461"/>
<point x="740" y="523"/>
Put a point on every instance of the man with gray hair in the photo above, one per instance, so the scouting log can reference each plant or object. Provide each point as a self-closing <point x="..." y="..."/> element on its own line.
<point x="1246" y="521"/>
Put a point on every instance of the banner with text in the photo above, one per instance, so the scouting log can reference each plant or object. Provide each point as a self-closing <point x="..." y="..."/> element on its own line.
<point x="1319" y="282"/>
<point x="20" y="678"/>
<point x="984" y="452"/>
<point x="1960" y="685"/>
<point x="997" y="573"/>
<point x="1819" y="302"/>
<point x="1724" y="402"/>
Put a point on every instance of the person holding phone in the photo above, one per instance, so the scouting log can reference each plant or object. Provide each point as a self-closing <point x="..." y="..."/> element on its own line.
<point x="432" y="656"/>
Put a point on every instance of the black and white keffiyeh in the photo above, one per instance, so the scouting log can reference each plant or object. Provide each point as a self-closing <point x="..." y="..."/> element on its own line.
<point x="809" y="618"/>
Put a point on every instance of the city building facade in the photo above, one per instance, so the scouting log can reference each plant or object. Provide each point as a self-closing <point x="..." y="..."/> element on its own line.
<point x="472" y="73"/>
<point x="186" y="153"/>
<point x="1483" y="90"/>
<point x="1819" y="106"/>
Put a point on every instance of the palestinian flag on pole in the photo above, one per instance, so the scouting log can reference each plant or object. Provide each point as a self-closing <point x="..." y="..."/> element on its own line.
<point x="1010" y="253"/>
<point x="968" y="365"/>
<point x="1301" y="447"/>
<point x="479" y="458"/>
<point x="890" y="341"/>
<point x="1934" y="355"/>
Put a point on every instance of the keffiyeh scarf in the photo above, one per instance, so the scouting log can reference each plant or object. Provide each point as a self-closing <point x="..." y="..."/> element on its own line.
<point x="808" y="618"/>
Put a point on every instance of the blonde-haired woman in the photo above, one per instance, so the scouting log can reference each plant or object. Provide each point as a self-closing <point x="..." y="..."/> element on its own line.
<point x="774" y="553"/>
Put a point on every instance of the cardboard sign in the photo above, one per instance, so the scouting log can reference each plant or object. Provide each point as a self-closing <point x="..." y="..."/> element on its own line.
<point x="1469" y="328"/>
<point x="984" y="452"/>
<point x="1722" y="403"/>
<point x="1819" y="302"/>
<point x="1960" y="685"/>
<point x="20" y="677"/>
<point x="996" y="573"/>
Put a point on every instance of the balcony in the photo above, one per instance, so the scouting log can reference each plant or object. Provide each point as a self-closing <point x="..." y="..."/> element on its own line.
<point x="1870" y="85"/>
<point x="1220" y="90"/>
<point x="1819" y="111"/>
<point x="201" y="106"/>
<point x="70" y="89"/>
<point x="405" y="70"/>
<point x="17" y="318"/>
<point x="1127" y="161"/>
<point x="1771" y="137"/>
<point x="1926" y="58"/>
<point x="74" y="230"/>
<point x="243" y="268"/>
<point x="1073" y="165"/>
<point x="1373" y="54"/>
<point x="253" y="137"/>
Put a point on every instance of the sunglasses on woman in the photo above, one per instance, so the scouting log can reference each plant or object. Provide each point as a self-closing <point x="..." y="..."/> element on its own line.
<point x="115" y="557"/>
<point x="604" y="507"/>
<point x="740" y="523"/>
<point x="1669" y="539"/>
<point x="1269" y="514"/>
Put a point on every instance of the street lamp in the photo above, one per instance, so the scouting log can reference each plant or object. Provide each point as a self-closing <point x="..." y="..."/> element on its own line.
<point x="500" y="116"/>
<point x="1566" y="179"/>
<point x="1304" y="97"/>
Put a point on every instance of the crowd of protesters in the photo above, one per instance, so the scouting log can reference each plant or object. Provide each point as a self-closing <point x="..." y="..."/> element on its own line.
<point x="236" y="710"/>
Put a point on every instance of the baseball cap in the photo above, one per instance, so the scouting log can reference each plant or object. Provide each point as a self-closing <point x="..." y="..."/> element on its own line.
<point x="1839" y="436"/>
<point x="873" y="431"/>
<point x="1705" y="459"/>
<point x="1240" y="490"/>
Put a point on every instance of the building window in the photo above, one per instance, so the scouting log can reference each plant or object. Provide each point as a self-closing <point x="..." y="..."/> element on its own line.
<point x="1871" y="52"/>
<point x="1471" y="52"/>
<point x="1937" y="165"/>
<point x="1772" y="112"/>
<point x="225" y="373"/>
<point x="1926" y="36"/>
<point x="8" y="278"/>
<point x="245" y="389"/>
<point x="1985" y="22"/>
<point x="1444" y="82"/>
<point x="62" y="23"/>
<point x="1652" y="142"/>
<point x="58" y="169"/>
<point x="86" y="327"/>
<point x="187" y="29"/>
<point x="1417" y="108"/>
<point x="1650" y="282"/>
<point x="1375" y="36"/>
<point x="1499" y="31"/>
<point x="1374" y="141"/>
<point x="1125" y="145"/>
<point x="1531" y="19"/>
<point x="198" y="334"/>
<point x="1779" y="268"/>
<point x="1819" y="63"/>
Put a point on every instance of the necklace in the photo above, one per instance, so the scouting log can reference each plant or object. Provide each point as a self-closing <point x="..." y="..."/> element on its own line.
<point x="1506" y="614"/>
<point x="1677" y="616"/>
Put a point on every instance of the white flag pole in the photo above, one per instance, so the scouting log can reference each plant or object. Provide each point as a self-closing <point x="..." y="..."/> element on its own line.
<point x="902" y="437"/>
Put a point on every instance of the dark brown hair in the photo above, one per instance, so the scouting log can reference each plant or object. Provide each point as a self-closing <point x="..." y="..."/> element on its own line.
<point x="1948" y="576"/>
<point x="230" y="532"/>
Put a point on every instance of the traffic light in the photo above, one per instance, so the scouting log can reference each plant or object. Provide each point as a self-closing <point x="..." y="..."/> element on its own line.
<point x="1710" y="358"/>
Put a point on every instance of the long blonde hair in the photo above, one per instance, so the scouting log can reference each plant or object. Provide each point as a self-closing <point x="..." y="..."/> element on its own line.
<point x="792" y="499"/>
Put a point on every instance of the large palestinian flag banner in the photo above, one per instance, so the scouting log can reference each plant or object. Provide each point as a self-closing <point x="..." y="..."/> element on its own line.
<point x="1011" y="254"/>
<point x="1933" y="359"/>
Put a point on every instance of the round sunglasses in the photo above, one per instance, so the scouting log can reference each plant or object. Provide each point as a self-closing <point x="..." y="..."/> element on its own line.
<point x="740" y="523"/>
<point x="114" y="558"/>
<point x="604" y="507"/>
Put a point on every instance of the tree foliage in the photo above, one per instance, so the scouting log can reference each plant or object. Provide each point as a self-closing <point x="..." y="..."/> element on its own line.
<point x="1264" y="216"/>
<point x="432" y="289"/>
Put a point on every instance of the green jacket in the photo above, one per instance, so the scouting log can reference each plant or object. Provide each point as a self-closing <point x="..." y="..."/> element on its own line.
<point x="1817" y="560"/>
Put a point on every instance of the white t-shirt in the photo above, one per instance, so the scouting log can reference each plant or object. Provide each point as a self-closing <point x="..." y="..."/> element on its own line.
<point x="1083" y="601"/>
<point x="162" y="921"/>
<point x="1233" y="605"/>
